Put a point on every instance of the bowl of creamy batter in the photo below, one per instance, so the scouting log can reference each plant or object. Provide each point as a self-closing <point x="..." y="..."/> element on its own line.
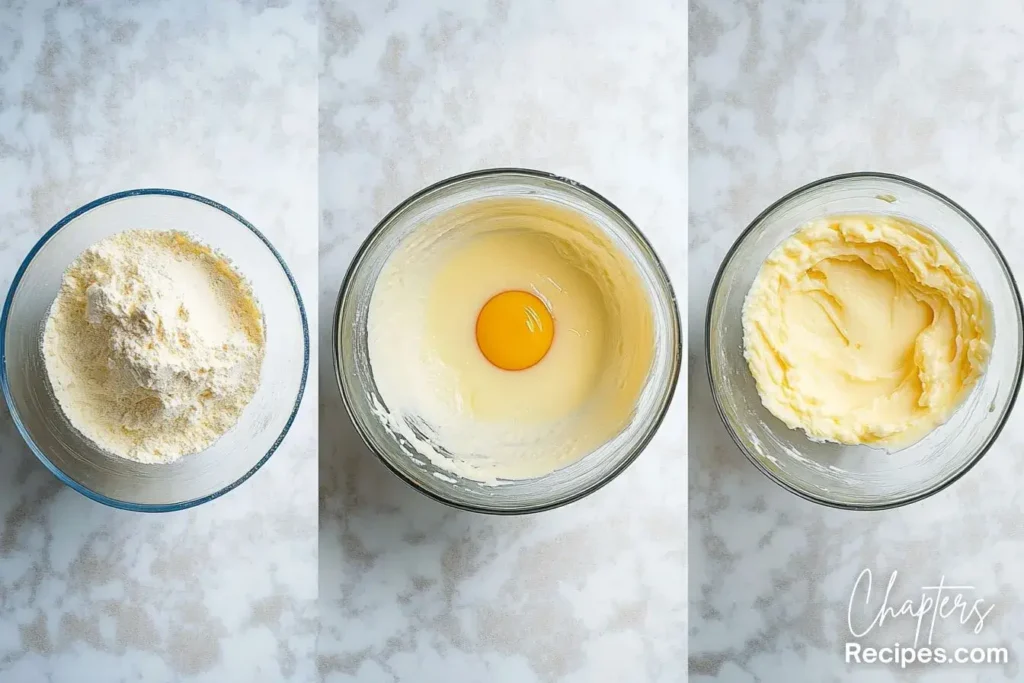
<point x="864" y="340"/>
<point x="155" y="349"/>
<point x="506" y="341"/>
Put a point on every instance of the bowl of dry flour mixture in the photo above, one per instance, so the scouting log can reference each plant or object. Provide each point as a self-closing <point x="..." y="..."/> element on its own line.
<point x="155" y="349"/>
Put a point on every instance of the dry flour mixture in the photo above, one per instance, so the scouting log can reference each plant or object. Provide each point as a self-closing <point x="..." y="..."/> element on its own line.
<point x="153" y="345"/>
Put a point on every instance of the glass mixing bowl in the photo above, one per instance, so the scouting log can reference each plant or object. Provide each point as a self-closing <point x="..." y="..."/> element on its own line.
<point x="193" y="479"/>
<point x="859" y="477"/>
<point x="356" y="379"/>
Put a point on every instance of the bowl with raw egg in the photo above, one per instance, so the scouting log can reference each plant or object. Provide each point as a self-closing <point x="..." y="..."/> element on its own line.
<point x="864" y="340"/>
<point x="506" y="341"/>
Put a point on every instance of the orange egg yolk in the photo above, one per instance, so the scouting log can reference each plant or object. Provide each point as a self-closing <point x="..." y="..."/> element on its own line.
<point x="514" y="330"/>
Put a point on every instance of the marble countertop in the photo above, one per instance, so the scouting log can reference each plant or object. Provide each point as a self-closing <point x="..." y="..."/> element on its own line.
<point x="411" y="93"/>
<point x="101" y="97"/>
<point x="782" y="94"/>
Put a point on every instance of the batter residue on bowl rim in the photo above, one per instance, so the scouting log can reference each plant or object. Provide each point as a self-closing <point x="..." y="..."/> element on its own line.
<point x="518" y="388"/>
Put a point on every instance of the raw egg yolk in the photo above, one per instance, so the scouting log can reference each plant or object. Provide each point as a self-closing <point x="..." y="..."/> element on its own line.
<point x="514" y="330"/>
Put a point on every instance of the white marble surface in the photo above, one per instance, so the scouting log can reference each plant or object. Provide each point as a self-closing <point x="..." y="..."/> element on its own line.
<point x="218" y="99"/>
<point x="782" y="94"/>
<point x="413" y="92"/>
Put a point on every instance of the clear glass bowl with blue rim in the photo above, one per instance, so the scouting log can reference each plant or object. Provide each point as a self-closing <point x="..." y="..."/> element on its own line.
<point x="240" y="452"/>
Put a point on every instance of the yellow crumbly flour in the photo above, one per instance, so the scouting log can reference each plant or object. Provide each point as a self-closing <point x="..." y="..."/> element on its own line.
<point x="153" y="346"/>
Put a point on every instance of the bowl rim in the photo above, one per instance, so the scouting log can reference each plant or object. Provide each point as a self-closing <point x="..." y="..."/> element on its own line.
<point x="60" y="474"/>
<point x="675" y="323"/>
<point x="992" y="437"/>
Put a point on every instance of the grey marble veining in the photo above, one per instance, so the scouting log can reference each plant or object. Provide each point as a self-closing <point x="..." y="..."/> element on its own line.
<point x="219" y="99"/>
<point x="411" y="93"/>
<point x="782" y="94"/>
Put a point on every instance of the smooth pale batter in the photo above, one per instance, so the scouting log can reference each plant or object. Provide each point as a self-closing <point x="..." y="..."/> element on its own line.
<point x="481" y="421"/>
<point x="865" y="330"/>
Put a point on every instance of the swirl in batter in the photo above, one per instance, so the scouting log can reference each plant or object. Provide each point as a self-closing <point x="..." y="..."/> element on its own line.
<point x="865" y="330"/>
<point x="513" y="334"/>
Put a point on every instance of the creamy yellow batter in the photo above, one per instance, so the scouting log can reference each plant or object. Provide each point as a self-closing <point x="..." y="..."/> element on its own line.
<point x="493" y="423"/>
<point x="865" y="330"/>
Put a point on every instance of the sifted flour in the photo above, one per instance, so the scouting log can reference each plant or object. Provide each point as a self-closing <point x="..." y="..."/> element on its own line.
<point x="153" y="345"/>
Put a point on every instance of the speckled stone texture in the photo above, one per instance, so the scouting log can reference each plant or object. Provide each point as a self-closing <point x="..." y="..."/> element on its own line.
<point x="411" y="93"/>
<point x="218" y="99"/>
<point x="782" y="93"/>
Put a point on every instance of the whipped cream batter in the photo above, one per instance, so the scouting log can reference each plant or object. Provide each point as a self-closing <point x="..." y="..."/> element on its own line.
<point x="481" y="421"/>
<point x="865" y="330"/>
